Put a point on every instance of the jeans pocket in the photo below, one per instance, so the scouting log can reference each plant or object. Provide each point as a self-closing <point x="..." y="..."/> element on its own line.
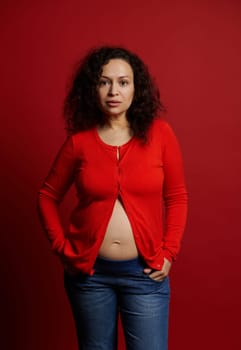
<point x="165" y="280"/>
<point x="72" y="275"/>
<point x="145" y="276"/>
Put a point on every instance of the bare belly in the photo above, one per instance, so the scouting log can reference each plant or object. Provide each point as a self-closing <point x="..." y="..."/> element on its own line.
<point x="118" y="243"/>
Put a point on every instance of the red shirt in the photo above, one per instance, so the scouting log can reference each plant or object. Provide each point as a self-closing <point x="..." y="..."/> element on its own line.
<point x="149" y="179"/>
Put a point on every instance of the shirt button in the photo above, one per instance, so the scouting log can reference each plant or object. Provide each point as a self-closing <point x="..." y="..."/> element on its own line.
<point x="158" y="265"/>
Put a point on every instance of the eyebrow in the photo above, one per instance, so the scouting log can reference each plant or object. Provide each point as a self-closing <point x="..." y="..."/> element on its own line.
<point x="123" y="76"/>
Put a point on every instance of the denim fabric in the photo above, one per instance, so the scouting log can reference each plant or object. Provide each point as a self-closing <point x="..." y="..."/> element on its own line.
<point x="119" y="287"/>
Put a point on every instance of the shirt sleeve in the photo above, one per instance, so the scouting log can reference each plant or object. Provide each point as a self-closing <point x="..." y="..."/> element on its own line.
<point x="52" y="191"/>
<point x="174" y="195"/>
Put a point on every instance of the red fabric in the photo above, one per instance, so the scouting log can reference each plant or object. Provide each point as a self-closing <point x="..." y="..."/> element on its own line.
<point x="145" y="177"/>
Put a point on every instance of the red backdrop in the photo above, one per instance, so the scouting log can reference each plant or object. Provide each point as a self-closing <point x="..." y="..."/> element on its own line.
<point x="193" y="49"/>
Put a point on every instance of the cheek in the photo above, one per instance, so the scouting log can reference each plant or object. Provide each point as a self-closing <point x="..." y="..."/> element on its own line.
<point x="131" y="96"/>
<point x="129" y="92"/>
<point x="100" y="96"/>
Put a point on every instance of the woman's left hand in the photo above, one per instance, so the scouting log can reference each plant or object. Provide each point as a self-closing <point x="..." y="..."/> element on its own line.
<point x="159" y="275"/>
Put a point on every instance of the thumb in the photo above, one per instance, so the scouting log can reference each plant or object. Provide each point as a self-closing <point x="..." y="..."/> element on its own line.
<point x="147" y="270"/>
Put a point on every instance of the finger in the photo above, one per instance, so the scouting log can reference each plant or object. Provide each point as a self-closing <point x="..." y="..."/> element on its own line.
<point x="147" y="270"/>
<point x="157" y="274"/>
<point x="158" y="278"/>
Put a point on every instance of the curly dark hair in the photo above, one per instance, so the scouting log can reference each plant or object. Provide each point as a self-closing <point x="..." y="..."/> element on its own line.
<point x="81" y="110"/>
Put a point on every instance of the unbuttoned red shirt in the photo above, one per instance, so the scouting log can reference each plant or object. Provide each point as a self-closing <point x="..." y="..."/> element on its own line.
<point x="149" y="179"/>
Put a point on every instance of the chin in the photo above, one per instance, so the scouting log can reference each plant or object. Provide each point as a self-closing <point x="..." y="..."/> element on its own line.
<point x="114" y="114"/>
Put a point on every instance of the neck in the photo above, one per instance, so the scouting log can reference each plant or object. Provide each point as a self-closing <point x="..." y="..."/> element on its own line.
<point x="117" y="123"/>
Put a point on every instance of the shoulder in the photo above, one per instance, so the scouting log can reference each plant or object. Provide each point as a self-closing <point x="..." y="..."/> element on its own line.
<point x="82" y="140"/>
<point x="163" y="133"/>
<point x="161" y="125"/>
<point x="160" y="128"/>
<point x="82" y="136"/>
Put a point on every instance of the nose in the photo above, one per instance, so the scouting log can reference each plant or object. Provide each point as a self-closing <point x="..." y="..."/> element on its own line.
<point x="113" y="90"/>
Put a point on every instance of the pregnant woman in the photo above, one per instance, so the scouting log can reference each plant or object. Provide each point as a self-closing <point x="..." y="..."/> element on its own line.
<point x="125" y="231"/>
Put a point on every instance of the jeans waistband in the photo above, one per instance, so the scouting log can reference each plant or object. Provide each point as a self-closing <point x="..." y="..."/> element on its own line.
<point x="119" y="266"/>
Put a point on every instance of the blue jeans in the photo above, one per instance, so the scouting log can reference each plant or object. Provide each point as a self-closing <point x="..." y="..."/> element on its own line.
<point x="119" y="287"/>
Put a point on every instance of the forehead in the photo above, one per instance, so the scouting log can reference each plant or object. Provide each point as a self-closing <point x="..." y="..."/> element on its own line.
<point x="117" y="67"/>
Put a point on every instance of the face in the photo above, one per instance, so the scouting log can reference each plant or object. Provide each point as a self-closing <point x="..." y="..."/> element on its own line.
<point x="115" y="89"/>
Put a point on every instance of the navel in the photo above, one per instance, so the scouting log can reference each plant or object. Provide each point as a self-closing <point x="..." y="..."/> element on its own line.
<point x="116" y="241"/>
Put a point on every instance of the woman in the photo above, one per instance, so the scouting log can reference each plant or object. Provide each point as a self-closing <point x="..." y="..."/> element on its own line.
<point x="126" y="163"/>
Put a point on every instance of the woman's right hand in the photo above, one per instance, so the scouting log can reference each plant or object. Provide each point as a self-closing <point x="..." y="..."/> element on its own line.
<point x="67" y="267"/>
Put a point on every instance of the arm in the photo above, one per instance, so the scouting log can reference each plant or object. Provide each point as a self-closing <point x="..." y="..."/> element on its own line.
<point x="175" y="202"/>
<point x="52" y="191"/>
<point x="174" y="195"/>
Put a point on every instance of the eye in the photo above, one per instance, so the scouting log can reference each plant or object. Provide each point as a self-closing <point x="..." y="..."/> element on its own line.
<point x="103" y="82"/>
<point x="124" y="82"/>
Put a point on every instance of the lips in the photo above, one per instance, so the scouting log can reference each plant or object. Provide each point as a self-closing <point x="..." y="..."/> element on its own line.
<point x="113" y="103"/>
